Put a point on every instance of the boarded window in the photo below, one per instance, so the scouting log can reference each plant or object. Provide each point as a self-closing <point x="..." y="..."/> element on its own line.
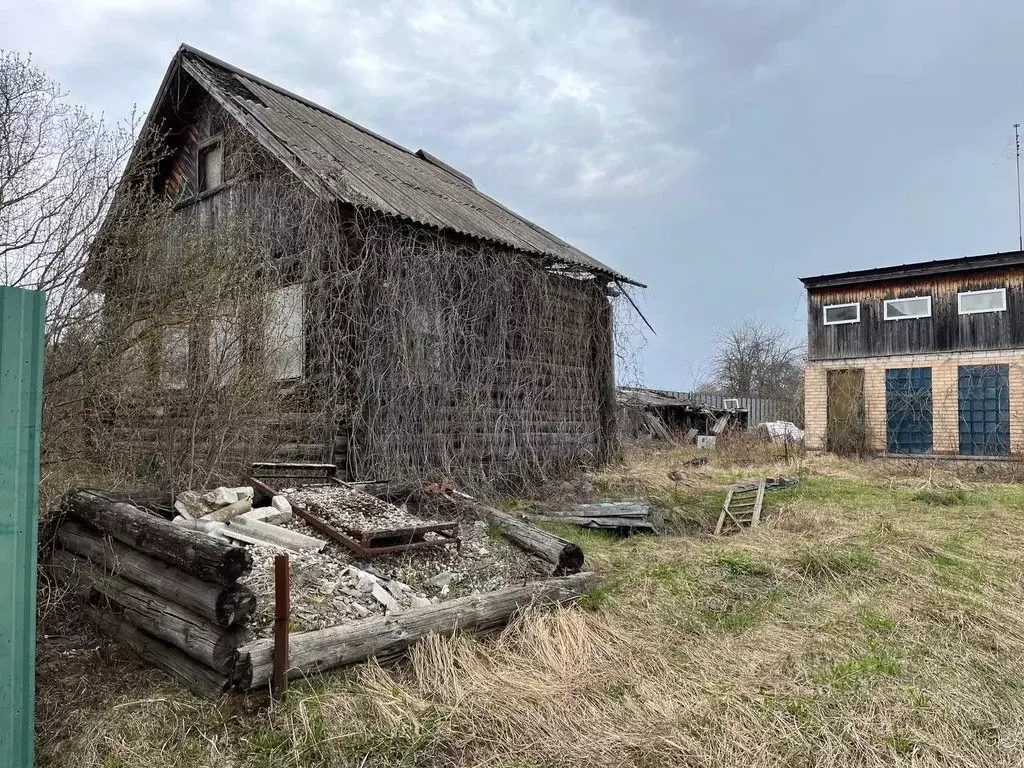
<point x="974" y="302"/>
<point x="908" y="410"/>
<point x="285" y="338"/>
<point x="907" y="309"/>
<point x="134" y="353"/>
<point x="840" y="314"/>
<point x="846" y="425"/>
<point x="174" y="357"/>
<point x="424" y="339"/>
<point x="211" y="166"/>
<point x="225" y="350"/>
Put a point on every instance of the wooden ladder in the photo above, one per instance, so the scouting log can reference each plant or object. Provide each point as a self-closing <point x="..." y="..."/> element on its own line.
<point x="742" y="507"/>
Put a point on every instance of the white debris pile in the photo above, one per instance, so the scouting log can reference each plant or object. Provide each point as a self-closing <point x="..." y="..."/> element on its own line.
<point x="227" y="514"/>
<point x="483" y="563"/>
<point x="326" y="591"/>
<point x="350" y="509"/>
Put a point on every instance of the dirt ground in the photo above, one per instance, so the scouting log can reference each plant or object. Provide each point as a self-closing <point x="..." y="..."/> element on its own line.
<point x="873" y="620"/>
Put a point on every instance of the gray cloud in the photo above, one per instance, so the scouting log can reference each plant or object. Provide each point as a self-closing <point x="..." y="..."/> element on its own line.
<point x="716" y="149"/>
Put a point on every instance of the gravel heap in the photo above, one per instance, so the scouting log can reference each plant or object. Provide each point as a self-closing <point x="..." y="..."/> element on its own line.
<point x="350" y="509"/>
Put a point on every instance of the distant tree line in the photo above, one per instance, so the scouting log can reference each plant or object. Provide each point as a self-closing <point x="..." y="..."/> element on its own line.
<point x="759" y="360"/>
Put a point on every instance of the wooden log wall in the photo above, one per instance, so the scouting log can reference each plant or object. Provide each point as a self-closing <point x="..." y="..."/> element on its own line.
<point x="546" y="391"/>
<point x="169" y="593"/>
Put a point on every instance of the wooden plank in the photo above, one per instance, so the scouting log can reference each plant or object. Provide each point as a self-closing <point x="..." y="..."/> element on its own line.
<point x="725" y="511"/>
<point x="757" y="506"/>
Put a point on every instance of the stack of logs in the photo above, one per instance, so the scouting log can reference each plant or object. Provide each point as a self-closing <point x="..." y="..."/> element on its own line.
<point x="169" y="593"/>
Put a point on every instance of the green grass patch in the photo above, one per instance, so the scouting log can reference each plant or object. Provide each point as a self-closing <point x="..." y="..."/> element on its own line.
<point x="599" y="599"/>
<point x="674" y="577"/>
<point x="876" y="622"/>
<point x="742" y="564"/>
<point x="843" y="491"/>
<point x="944" y="498"/>
<point x="876" y="664"/>
<point x="740" y="613"/>
<point x="826" y="563"/>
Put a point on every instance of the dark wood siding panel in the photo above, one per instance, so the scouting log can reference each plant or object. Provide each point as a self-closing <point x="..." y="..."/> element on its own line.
<point x="945" y="331"/>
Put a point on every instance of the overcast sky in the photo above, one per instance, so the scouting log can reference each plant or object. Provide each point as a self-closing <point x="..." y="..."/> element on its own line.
<point x="715" y="149"/>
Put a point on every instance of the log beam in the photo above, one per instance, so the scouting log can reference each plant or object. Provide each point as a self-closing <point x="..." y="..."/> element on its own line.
<point x="225" y="606"/>
<point x="564" y="555"/>
<point x="201" y="680"/>
<point x="213" y="646"/>
<point x="192" y="552"/>
<point x="384" y="638"/>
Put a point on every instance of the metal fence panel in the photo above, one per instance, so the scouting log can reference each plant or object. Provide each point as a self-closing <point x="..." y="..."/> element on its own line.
<point x="759" y="409"/>
<point x="22" y="317"/>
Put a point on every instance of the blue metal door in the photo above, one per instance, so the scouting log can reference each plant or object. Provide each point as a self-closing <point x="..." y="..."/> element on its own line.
<point x="908" y="410"/>
<point x="984" y="397"/>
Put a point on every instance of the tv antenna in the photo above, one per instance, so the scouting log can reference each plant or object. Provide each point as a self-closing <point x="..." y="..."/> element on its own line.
<point x="1020" y="229"/>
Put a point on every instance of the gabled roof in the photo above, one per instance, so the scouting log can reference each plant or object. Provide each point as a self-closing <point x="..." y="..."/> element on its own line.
<point x="920" y="269"/>
<point x="337" y="158"/>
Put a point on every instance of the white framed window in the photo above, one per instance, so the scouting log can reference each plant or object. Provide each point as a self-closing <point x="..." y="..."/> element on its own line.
<point x="174" y="356"/>
<point x="975" y="302"/>
<point x="284" y="332"/>
<point x="908" y="309"/>
<point x="841" y="314"/>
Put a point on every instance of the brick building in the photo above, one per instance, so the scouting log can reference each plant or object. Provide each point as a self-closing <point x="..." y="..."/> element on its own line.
<point x="921" y="358"/>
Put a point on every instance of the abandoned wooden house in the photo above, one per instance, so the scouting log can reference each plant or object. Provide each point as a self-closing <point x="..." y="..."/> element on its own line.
<point x="923" y="358"/>
<point x="407" y="323"/>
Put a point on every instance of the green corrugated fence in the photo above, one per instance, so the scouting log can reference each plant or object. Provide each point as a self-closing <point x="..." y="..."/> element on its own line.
<point x="22" y="317"/>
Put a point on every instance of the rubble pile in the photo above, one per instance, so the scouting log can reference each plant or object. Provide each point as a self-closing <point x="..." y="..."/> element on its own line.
<point x="331" y="585"/>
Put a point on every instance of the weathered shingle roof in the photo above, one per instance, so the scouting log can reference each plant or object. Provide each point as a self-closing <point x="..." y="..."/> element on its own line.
<point x="338" y="158"/>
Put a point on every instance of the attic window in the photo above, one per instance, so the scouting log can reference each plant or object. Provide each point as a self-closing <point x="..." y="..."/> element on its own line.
<point x="840" y="314"/>
<point x="211" y="165"/>
<point x="907" y="309"/>
<point x="974" y="302"/>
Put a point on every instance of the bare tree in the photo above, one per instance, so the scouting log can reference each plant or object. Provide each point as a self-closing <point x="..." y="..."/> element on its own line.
<point x="59" y="167"/>
<point x="754" y="359"/>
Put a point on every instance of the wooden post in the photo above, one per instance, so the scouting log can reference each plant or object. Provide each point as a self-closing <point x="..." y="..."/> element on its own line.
<point x="282" y="611"/>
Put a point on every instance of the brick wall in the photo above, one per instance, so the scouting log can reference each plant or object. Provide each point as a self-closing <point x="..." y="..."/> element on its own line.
<point x="945" y="426"/>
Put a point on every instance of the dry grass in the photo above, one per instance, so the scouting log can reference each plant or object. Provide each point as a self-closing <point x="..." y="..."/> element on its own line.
<point x="873" y="621"/>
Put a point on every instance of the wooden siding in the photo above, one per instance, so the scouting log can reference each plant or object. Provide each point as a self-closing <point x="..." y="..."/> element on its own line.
<point x="945" y="331"/>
